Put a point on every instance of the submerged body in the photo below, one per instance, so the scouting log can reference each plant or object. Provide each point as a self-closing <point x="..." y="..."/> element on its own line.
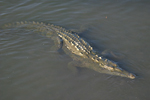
<point x="77" y="48"/>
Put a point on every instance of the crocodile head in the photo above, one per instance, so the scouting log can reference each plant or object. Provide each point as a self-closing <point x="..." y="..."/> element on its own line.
<point x="114" y="69"/>
<point x="109" y="67"/>
<point x="118" y="71"/>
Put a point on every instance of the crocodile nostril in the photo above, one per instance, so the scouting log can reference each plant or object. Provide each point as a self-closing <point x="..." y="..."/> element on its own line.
<point x="132" y="76"/>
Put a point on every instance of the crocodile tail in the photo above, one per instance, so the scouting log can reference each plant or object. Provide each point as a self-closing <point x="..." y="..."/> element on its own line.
<point x="41" y="28"/>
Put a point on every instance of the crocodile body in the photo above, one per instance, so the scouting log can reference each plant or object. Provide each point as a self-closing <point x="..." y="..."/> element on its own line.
<point x="77" y="48"/>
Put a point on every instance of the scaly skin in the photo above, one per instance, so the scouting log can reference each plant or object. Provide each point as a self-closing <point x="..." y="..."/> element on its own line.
<point x="77" y="48"/>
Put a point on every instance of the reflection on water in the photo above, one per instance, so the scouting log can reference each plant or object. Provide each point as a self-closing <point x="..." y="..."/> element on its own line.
<point x="31" y="69"/>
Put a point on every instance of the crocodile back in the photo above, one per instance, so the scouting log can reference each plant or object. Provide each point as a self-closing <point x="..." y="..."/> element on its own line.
<point x="75" y="43"/>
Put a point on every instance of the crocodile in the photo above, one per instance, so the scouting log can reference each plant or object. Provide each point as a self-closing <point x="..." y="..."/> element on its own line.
<point x="76" y="47"/>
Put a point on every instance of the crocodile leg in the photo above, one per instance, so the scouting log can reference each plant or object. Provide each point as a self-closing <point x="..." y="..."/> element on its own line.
<point x="73" y="66"/>
<point x="58" y="44"/>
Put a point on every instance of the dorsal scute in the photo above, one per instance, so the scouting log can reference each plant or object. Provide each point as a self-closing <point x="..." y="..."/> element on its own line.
<point x="75" y="41"/>
<point x="73" y="38"/>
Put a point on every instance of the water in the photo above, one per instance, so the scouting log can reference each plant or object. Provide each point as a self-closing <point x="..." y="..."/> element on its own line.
<point x="31" y="69"/>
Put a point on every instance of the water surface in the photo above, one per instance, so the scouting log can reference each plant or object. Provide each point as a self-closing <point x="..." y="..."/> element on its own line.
<point x="31" y="69"/>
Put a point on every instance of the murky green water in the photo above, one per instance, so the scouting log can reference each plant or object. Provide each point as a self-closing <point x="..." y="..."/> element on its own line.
<point x="30" y="69"/>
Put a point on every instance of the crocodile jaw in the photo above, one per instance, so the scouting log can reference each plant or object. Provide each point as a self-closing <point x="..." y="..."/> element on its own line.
<point x="131" y="76"/>
<point x="118" y="72"/>
<point x="126" y="74"/>
<point x="109" y="67"/>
